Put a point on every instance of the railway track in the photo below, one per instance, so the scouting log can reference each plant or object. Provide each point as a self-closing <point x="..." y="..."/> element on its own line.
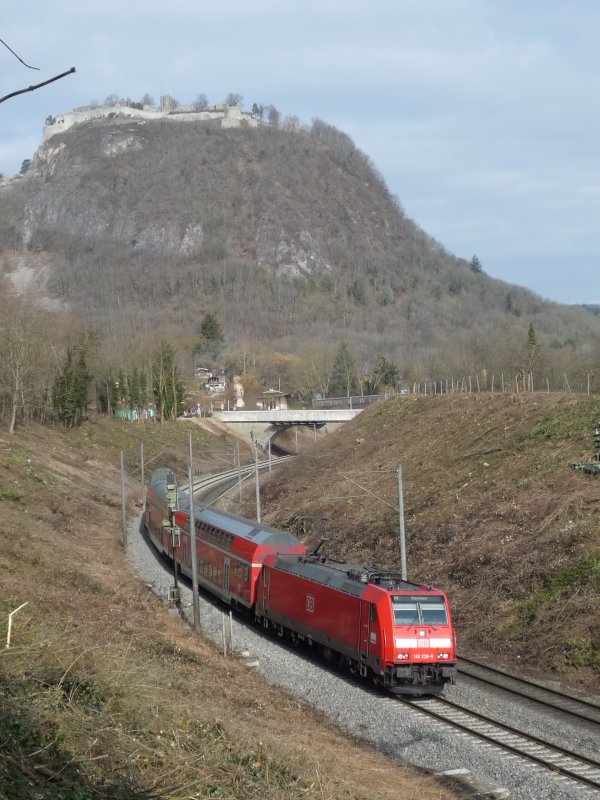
<point x="585" y="771"/>
<point x="553" y="699"/>
<point x="212" y="487"/>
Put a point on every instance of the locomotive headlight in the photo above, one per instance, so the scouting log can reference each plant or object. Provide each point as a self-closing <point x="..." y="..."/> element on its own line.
<point x="402" y="656"/>
<point x="443" y="655"/>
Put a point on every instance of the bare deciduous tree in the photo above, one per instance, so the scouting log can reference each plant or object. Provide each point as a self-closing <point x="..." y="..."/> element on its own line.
<point x="234" y="99"/>
<point x="273" y="116"/>
<point x="23" y="350"/>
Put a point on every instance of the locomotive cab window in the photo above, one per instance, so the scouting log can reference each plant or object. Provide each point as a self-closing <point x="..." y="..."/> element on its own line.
<point x="419" y="610"/>
<point x="406" y="611"/>
<point x="434" y="613"/>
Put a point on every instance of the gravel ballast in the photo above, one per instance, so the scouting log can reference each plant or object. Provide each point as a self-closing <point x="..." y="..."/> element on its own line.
<point x="391" y="726"/>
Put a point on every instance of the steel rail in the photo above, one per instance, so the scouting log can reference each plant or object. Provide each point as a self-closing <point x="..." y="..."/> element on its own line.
<point x="247" y="471"/>
<point x="564" y="700"/>
<point x="553" y="757"/>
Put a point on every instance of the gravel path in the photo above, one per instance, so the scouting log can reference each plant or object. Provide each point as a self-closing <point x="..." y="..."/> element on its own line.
<point x="390" y="726"/>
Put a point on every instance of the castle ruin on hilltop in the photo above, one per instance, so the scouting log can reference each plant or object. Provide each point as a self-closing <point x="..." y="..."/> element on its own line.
<point x="230" y="116"/>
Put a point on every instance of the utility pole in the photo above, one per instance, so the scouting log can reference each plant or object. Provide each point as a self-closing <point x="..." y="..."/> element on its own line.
<point x="123" y="511"/>
<point x="257" y="485"/>
<point x="239" y="466"/>
<point x="403" y="567"/>
<point x="195" y="598"/>
<point x="399" y="509"/>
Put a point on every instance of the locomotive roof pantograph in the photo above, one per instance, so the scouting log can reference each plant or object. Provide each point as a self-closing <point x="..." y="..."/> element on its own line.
<point x="347" y="578"/>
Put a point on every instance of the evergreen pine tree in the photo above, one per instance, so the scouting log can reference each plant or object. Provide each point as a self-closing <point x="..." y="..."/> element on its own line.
<point x="476" y="265"/>
<point x="70" y="390"/>
<point x="167" y="387"/>
<point x="210" y="339"/>
<point x="343" y="381"/>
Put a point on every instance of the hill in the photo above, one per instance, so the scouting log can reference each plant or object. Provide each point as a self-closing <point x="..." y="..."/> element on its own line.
<point x="288" y="234"/>
<point x="495" y="515"/>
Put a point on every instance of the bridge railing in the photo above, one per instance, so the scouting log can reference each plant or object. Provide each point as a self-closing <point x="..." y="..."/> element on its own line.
<point x="355" y="401"/>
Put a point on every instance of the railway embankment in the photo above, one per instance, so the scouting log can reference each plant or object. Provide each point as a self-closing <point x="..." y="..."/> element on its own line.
<point x="494" y="514"/>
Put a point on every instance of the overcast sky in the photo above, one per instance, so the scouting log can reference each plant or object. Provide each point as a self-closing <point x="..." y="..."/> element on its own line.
<point x="481" y="115"/>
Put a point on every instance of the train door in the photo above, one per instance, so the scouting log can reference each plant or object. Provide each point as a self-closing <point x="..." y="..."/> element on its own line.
<point x="266" y="583"/>
<point x="364" y="617"/>
<point x="226" y="570"/>
<point x="375" y="640"/>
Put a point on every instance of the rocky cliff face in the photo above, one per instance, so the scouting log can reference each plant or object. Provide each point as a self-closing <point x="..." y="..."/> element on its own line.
<point x="274" y="196"/>
<point x="77" y="192"/>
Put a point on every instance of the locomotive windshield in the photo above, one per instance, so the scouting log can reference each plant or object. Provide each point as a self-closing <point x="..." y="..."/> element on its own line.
<point x="419" y="610"/>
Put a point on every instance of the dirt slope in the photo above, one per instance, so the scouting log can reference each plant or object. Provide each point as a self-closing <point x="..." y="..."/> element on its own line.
<point x="494" y="514"/>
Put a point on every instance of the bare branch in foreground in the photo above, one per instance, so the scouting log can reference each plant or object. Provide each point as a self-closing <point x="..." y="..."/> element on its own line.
<point x="16" y="55"/>
<point x="37" y="85"/>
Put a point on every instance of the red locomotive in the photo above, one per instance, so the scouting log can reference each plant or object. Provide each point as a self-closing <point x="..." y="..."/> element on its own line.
<point x="398" y="633"/>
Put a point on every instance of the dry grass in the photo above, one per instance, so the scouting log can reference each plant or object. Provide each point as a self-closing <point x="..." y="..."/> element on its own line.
<point x="104" y="694"/>
<point x="494" y="513"/>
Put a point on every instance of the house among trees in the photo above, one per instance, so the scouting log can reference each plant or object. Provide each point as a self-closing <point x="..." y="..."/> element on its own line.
<point x="135" y="414"/>
<point x="273" y="399"/>
<point x="216" y="384"/>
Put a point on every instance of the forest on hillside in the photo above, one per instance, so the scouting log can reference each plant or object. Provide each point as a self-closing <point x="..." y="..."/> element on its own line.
<point x="54" y="368"/>
<point x="124" y="239"/>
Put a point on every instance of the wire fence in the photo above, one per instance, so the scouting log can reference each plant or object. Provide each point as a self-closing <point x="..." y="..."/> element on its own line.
<point x="519" y="383"/>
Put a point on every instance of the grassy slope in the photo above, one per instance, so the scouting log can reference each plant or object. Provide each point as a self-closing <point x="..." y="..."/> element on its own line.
<point x="494" y="513"/>
<point x="103" y="693"/>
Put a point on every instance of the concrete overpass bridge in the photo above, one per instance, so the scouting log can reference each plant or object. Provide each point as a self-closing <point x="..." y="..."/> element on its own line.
<point x="263" y="426"/>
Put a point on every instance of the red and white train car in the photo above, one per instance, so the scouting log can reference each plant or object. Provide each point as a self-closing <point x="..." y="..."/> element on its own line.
<point x="230" y="550"/>
<point x="399" y="633"/>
